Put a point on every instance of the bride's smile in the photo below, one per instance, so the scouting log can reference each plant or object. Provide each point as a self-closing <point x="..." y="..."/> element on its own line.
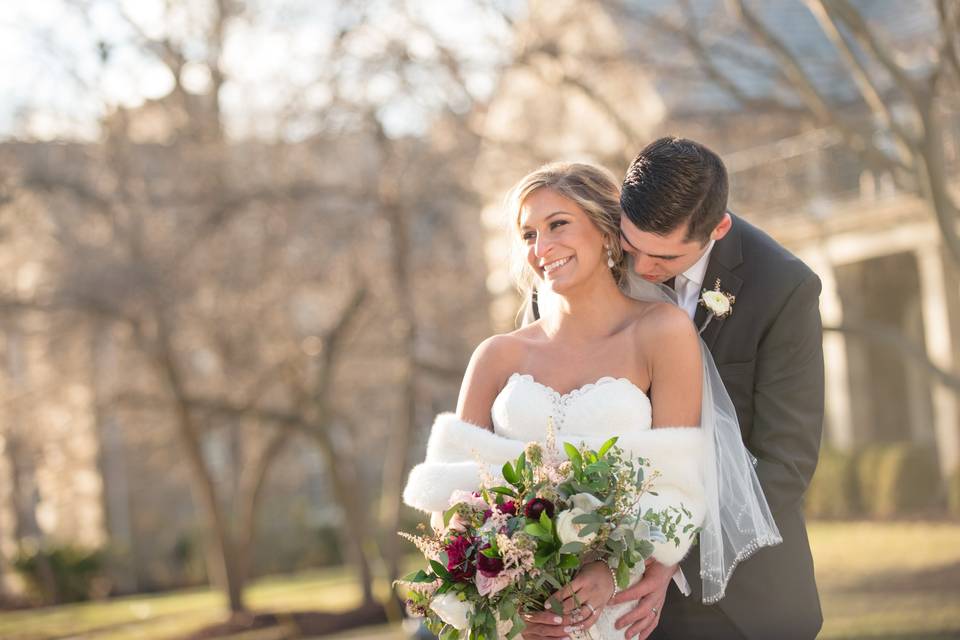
<point x="551" y="267"/>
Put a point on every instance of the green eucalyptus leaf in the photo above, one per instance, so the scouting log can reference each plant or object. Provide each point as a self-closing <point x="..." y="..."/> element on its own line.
<point x="589" y="518"/>
<point x="573" y="547"/>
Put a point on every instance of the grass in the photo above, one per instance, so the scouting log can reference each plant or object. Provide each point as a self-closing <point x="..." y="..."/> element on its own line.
<point x="895" y="581"/>
<point x="175" y="614"/>
<point x="888" y="580"/>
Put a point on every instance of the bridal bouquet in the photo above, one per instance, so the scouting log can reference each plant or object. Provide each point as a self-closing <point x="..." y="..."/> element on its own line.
<point x="504" y="549"/>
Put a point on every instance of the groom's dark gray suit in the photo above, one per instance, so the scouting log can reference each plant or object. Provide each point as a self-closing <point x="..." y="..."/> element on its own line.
<point x="769" y="354"/>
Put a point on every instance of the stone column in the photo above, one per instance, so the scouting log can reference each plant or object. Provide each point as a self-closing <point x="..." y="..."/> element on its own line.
<point x="939" y="344"/>
<point x="840" y="432"/>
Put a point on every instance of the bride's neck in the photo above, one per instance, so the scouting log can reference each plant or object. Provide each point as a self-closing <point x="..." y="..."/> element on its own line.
<point x="593" y="311"/>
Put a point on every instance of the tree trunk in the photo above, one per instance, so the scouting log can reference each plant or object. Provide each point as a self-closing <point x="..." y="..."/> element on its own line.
<point x="223" y="562"/>
<point x="395" y="465"/>
<point x="933" y="181"/>
<point x="346" y="489"/>
<point x="248" y="501"/>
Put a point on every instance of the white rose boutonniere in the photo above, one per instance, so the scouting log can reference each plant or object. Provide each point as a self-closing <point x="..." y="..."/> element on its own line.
<point x="718" y="303"/>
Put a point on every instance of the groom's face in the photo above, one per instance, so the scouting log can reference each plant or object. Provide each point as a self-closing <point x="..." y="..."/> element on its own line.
<point x="657" y="258"/>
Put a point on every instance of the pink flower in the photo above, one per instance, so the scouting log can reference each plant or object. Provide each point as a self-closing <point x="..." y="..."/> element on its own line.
<point x="469" y="498"/>
<point x="509" y="507"/>
<point x="488" y="586"/>
<point x="456" y="523"/>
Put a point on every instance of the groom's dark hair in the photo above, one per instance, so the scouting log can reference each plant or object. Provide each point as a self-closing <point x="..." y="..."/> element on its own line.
<point x="672" y="182"/>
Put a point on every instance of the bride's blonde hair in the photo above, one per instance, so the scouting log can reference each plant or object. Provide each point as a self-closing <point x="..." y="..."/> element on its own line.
<point x="593" y="188"/>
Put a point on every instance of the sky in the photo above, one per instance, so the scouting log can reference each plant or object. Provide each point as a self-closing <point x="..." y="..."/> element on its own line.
<point x="54" y="84"/>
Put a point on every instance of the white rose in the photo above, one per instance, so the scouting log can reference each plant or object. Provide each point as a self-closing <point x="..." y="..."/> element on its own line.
<point x="452" y="610"/>
<point x="716" y="302"/>
<point x="568" y="531"/>
<point x="587" y="502"/>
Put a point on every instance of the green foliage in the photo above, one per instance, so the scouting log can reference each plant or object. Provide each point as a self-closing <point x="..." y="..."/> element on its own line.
<point x="833" y="491"/>
<point x="897" y="479"/>
<point x="60" y="573"/>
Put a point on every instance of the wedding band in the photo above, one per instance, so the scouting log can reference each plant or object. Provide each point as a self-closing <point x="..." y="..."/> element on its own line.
<point x="592" y="610"/>
<point x="654" y="610"/>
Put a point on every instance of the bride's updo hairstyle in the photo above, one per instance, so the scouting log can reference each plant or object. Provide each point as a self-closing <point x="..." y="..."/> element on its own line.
<point x="593" y="188"/>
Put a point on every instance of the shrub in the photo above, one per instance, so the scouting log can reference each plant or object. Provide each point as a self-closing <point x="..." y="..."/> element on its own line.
<point x="833" y="490"/>
<point x="61" y="573"/>
<point x="953" y="494"/>
<point x="868" y="465"/>
<point x="898" y="479"/>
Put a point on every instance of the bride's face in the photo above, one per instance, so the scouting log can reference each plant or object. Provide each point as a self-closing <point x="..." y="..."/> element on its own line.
<point x="564" y="247"/>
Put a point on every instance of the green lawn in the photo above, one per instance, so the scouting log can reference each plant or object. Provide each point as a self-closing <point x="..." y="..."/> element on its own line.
<point x="172" y="615"/>
<point x="877" y="580"/>
<point x="896" y="580"/>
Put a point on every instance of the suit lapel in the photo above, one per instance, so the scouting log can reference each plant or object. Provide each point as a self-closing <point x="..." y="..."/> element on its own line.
<point x="727" y="255"/>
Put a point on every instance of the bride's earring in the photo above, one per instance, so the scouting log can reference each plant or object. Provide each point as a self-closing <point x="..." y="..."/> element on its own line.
<point x="610" y="262"/>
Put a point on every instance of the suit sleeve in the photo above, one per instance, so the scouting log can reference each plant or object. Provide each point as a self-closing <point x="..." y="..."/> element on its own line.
<point x="788" y="398"/>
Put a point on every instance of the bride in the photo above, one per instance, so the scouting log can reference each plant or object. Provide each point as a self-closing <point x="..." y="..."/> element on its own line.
<point x="610" y="355"/>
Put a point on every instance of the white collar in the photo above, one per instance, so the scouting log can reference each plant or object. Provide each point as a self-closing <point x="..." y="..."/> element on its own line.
<point x="698" y="271"/>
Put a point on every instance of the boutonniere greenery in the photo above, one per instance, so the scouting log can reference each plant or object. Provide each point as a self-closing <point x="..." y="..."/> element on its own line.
<point x="718" y="303"/>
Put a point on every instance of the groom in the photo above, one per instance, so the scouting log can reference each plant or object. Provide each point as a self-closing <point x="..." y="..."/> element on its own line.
<point x="769" y="354"/>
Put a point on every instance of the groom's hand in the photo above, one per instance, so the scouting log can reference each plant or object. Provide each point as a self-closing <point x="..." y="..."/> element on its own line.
<point x="649" y="594"/>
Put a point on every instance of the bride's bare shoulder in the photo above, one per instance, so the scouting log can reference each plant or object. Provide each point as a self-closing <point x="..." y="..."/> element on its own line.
<point x="658" y="321"/>
<point x="492" y="362"/>
<point x="507" y="349"/>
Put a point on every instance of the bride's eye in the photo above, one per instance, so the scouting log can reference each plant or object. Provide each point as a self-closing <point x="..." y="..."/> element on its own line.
<point x="528" y="235"/>
<point x="557" y="223"/>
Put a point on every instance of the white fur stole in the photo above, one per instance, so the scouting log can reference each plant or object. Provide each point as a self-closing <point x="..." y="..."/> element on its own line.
<point x="457" y="449"/>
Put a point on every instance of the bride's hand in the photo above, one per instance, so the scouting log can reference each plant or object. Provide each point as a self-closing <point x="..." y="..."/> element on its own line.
<point x="583" y="599"/>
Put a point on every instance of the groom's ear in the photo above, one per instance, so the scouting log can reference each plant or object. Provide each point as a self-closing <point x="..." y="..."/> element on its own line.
<point x="722" y="228"/>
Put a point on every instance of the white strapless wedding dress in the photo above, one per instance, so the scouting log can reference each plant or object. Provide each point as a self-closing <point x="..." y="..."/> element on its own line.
<point x="610" y="406"/>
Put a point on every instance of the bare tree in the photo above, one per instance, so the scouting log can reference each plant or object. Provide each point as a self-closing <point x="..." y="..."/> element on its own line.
<point x="907" y="97"/>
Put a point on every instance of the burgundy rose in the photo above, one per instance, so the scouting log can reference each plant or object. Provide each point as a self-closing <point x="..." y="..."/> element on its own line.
<point x="458" y="561"/>
<point x="535" y="507"/>
<point x="508" y="506"/>
<point x="490" y="567"/>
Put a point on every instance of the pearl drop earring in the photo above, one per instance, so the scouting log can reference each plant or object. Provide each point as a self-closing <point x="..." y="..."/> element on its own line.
<point x="610" y="262"/>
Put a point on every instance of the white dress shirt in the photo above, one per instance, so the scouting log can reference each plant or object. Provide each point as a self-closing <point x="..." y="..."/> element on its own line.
<point x="689" y="284"/>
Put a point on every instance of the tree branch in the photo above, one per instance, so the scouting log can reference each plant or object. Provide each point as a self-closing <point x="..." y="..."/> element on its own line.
<point x="950" y="34"/>
<point x="868" y="89"/>
<point x="800" y="81"/>
<point x="866" y="38"/>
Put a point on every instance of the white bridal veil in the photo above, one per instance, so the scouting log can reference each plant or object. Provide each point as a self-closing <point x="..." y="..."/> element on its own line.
<point x="738" y="520"/>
